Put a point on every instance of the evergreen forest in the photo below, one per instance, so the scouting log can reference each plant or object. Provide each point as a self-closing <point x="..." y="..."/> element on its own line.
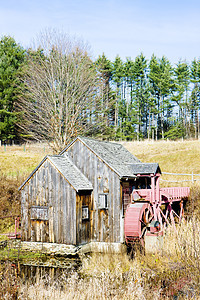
<point x="133" y="99"/>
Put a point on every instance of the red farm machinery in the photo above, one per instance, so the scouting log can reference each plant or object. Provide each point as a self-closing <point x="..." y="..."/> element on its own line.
<point x="150" y="210"/>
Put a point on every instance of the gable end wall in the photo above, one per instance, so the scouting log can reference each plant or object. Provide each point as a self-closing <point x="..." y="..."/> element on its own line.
<point x="48" y="188"/>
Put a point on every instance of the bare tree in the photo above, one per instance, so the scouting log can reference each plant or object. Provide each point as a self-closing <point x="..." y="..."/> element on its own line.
<point x="61" y="90"/>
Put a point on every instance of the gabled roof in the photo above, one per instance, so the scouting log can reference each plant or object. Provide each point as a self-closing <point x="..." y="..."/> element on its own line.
<point x="145" y="168"/>
<point x="68" y="170"/>
<point x="113" y="154"/>
<point x="71" y="173"/>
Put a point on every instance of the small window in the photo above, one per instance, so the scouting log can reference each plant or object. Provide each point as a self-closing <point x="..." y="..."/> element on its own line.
<point x="39" y="213"/>
<point x="85" y="213"/>
<point x="103" y="201"/>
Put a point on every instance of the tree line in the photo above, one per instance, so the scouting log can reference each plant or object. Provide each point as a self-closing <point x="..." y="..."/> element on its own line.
<point x="55" y="91"/>
<point x="152" y="99"/>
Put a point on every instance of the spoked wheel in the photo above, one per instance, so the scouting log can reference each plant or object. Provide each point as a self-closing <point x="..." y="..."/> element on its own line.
<point x="171" y="213"/>
<point x="147" y="217"/>
<point x="137" y="219"/>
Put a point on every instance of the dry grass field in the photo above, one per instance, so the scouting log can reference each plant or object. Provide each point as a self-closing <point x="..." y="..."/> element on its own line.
<point x="173" y="272"/>
<point x="179" y="157"/>
<point x="19" y="161"/>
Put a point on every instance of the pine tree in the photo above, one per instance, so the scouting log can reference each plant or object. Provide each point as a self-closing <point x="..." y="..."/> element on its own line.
<point x="161" y="87"/>
<point x="195" y="94"/>
<point x="140" y="94"/>
<point x="117" y="78"/>
<point x="12" y="57"/>
<point x="181" y="97"/>
<point x="104" y="68"/>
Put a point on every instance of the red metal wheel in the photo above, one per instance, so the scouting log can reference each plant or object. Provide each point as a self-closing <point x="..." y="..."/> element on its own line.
<point x="137" y="219"/>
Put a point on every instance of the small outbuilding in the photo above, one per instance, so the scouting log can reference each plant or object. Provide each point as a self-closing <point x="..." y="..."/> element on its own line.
<point x="81" y="195"/>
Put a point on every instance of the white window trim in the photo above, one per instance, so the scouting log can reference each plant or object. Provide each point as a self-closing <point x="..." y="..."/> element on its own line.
<point x="103" y="203"/>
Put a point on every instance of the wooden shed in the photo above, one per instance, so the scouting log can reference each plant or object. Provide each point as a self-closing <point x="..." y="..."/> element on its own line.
<point x="81" y="194"/>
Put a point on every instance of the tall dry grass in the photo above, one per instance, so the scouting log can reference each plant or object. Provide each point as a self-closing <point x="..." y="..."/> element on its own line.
<point x="171" y="273"/>
<point x="9" y="281"/>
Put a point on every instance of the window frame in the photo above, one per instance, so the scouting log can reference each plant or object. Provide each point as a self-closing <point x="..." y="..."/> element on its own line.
<point x="85" y="216"/>
<point x="105" y="200"/>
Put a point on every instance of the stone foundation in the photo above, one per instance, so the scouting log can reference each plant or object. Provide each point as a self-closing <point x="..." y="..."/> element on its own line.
<point x="70" y="250"/>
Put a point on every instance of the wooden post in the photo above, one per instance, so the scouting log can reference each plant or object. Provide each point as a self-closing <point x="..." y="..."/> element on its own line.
<point x="153" y="196"/>
<point x="153" y="187"/>
<point x="158" y="188"/>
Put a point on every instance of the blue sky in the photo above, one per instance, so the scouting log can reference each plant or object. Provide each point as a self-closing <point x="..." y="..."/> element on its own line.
<point x="123" y="27"/>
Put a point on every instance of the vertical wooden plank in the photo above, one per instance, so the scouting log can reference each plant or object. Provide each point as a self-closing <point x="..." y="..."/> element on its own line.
<point x="121" y="217"/>
<point x="92" y="216"/>
<point x="39" y="186"/>
<point x="49" y="184"/>
<point x="34" y="190"/>
<point x="68" y="214"/>
<point x="64" y="210"/>
<point x="112" y="191"/>
<point x="46" y="180"/>
<point x="33" y="232"/>
<point x="54" y="195"/>
<point x="51" y="227"/>
<point x="51" y="205"/>
<point x="43" y="185"/>
<point x="95" y="174"/>
<point x="117" y="210"/>
<point x="59" y="216"/>
<point x="24" y="214"/>
<point x="73" y="214"/>
<point x="88" y="232"/>
<point x="78" y="237"/>
<point x="30" y="191"/>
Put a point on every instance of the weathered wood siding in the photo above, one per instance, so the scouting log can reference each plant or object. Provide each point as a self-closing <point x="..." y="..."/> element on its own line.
<point x="105" y="224"/>
<point x="48" y="189"/>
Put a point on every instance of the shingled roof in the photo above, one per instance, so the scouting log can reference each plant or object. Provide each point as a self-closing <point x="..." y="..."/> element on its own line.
<point x="145" y="168"/>
<point x="113" y="154"/>
<point x="71" y="173"/>
<point x="68" y="170"/>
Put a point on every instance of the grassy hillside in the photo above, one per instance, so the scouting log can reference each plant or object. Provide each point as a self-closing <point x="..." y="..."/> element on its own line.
<point x="172" y="156"/>
<point x="19" y="161"/>
<point x="182" y="157"/>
